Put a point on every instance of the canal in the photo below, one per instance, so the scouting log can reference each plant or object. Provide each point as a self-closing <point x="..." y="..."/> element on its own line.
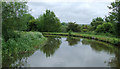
<point x="70" y="52"/>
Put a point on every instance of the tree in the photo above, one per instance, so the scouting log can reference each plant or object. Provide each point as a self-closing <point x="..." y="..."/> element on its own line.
<point x="51" y="22"/>
<point x="105" y="28"/>
<point x="73" y="26"/>
<point x="48" y="22"/>
<point x="64" y="24"/>
<point x="40" y="23"/>
<point x="97" y="21"/>
<point x="26" y="19"/>
<point x="114" y="16"/>
<point x="63" y="28"/>
<point x="12" y="13"/>
<point x="85" y="28"/>
<point x="11" y="17"/>
<point x="32" y="25"/>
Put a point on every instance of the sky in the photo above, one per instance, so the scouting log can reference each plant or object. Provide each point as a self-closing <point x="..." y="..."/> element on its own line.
<point x="79" y="11"/>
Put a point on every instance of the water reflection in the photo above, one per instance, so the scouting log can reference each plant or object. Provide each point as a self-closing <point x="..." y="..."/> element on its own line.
<point x="100" y="46"/>
<point x="115" y="61"/>
<point x="15" y="60"/>
<point x="110" y="49"/>
<point x="51" y="46"/>
<point x="72" y="40"/>
<point x="81" y="47"/>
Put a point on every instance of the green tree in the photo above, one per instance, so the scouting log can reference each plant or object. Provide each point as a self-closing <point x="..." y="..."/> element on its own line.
<point x="40" y="23"/>
<point x="64" y="26"/>
<point x="11" y="17"/>
<point x="51" y="22"/>
<point x="85" y="28"/>
<point x="32" y="26"/>
<point x="114" y="16"/>
<point x="73" y="26"/>
<point x="64" y="23"/>
<point x="26" y="18"/>
<point x="105" y="28"/>
<point x="95" y="22"/>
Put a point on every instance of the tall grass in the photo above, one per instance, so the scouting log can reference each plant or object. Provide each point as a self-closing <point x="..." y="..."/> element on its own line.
<point x="27" y="41"/>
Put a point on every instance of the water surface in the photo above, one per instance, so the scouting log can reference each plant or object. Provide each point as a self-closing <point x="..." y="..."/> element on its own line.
<point x="71" y="52"/>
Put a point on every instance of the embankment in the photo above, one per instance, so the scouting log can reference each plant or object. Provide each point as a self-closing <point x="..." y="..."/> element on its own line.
<point x="107" y="39"/>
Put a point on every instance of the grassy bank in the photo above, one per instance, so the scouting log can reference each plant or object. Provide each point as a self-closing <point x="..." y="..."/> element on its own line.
<point x="107" y="39"/>
<point x="26" y="42"/>
<point x="22" y="46"/>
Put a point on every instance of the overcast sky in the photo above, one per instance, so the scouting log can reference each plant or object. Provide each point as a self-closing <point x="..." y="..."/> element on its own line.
<point x="79" y="11"/>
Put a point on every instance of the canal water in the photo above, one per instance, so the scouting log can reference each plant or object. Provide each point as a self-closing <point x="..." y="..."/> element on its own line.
<point x="70" y="52"/>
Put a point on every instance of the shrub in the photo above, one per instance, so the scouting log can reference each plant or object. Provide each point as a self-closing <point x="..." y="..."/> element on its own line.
<point x="26" y="42"/>
<point x="105" y="28"/>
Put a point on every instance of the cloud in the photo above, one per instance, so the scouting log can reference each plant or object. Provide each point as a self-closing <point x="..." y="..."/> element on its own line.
<point x="79" y="12"/>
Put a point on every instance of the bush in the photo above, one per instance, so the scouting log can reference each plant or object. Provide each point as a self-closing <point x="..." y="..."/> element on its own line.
<point x="70" y="32"/>
<point x="105" y="28"/>
<point x="63" y="28"/>
<point x="84" y="30"/>
<point x="73" y="26"/>
<point x="26" y="42"/>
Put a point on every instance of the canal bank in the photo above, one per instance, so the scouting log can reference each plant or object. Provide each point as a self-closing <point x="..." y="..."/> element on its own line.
<point x="69" y="52"/>
<point x="107" y="39"/>
<point x="26" y="43"/>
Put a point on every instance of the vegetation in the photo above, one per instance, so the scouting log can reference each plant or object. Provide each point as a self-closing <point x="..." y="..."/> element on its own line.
<point x="95" y="22"/>
<point x="27" y="41"/>
<point x="15" y="24"/>
<point x="73" y="27"/>
<point x="109" y="25"/>
<point x="51" y="46"/>
<point x="48" y="22"/>
<point x="114" y="17"/>
<point x="12" y="18"/>
<point x="108" y="39"/>
<point x="21" y="31"/>
<point x="105" y="28"/>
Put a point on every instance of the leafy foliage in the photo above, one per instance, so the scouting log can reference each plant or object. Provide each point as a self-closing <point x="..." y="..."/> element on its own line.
<point x="73" y="26"/>
<point x="85" y="28"/>
<point x="26" y="19"/>
<point x="32" y="25"/>
<point x="95" y="22"/>
<point x="28" y="41"/>
<point x="105" y="28"/>
<point x="49" y="22"/>
<point x="114" y="16"/>
<point x="12" y="13"/>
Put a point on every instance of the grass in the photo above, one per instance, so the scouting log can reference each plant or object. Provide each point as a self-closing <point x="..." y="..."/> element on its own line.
<point x="27" y="41"/>
<point x="103" y="38"/>
<point x="22" y="46"/>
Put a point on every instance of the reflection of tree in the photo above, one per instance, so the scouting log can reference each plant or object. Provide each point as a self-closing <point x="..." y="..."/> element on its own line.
<point x="72" y="40"/>
<point x="115" y="61"/>
<point x="51" y="46"/>
<point x="7" y="61"/>
<point x="101" y="46"/>
<point x="85" y="42"/>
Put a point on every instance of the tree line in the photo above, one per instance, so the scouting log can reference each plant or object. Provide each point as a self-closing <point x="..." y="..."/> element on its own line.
<point x="16" y="17"/>
<point x="109" y="24"/>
